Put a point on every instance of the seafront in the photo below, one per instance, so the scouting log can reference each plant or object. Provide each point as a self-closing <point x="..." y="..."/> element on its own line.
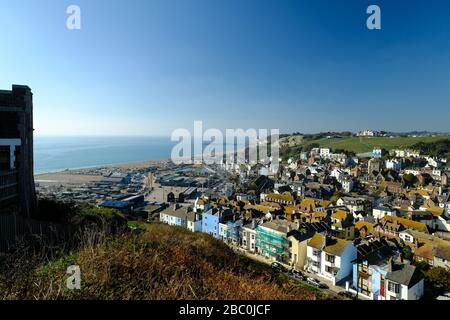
<point x="90" y="174"/>
<point x="145" y="185"/>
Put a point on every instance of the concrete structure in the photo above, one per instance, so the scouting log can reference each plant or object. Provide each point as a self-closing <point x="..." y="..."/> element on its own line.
<point x="17" y="191"/>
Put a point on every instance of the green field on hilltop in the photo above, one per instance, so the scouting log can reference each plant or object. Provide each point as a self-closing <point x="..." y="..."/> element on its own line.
<point x="362" y="144"/>
<point x="366" y="144"/>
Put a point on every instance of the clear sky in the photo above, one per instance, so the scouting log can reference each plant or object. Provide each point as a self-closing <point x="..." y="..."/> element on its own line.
<point x="146" y="67"/>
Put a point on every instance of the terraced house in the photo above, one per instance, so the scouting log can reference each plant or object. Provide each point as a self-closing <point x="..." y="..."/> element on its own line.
<point x="175" y="215"/>
<point x="272" y="241"/>
<point x="284" y="198"/>
<point x="330" y="257"/>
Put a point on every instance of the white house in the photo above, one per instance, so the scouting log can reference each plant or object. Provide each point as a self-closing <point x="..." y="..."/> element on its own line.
<point x="347" y="184"/>
<point x="325" y="152"/>
<point x="337" y="173"/>
<point x="407" y="236"/>
<point x="175" y="216"/>
<point x="394" y="164"/>
<point x="382" y="211"/>
<point x="201" y="205"/>
<point x="194" y="222"/>
<point x="404" y="282"/>
<point x="352" y="204"/>
<point x="330" y="257"/>
<point x="414" y="172"/>
<point x="248" y="241"/>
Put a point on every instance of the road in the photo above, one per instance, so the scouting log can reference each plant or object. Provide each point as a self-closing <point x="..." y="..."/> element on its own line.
<point x="333" y="290"/>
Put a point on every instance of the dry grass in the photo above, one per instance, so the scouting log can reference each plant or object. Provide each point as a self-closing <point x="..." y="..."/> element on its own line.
<point x="162" y="263"/>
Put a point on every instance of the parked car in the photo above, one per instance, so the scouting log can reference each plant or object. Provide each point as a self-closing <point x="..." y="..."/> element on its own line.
<point x="347" y="294"/>
<point x="323" y="286"/>
<point x="279" y="267"/>
<point x="298" y="275"/>
<point x="312" y="281"/>
<point x="317" y="283"/>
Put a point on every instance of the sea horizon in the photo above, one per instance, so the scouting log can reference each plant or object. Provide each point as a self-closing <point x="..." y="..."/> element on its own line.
<point x="61" y="153"/>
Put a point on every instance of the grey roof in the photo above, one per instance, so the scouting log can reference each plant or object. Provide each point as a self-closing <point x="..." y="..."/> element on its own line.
<point x="405" y="274"/>
<point x="192" y="216"/>
<point x="282" y="226"/>
<point x="301" y="235"/>
<point x="181" y="212"/>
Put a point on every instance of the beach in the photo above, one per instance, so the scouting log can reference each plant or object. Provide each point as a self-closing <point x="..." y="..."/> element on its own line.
<point x="78" y="176"/>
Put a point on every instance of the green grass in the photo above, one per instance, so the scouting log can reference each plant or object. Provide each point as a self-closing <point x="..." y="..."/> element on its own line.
<point x="366" y="144"/>
<point x="161" y="263"/>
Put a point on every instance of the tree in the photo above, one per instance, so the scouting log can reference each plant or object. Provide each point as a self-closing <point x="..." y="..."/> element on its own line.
<point x="407" y="253"/>
<point x="437" y="281"/>
<point x="409" y="179"/>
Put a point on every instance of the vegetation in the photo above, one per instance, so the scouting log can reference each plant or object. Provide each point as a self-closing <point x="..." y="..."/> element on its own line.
<point x="437" y="280"/>
<point x="162" y="262"/>
<point x="433" y="145"/>
<point x="439" y="148"/>
<point x="79" y="215"/>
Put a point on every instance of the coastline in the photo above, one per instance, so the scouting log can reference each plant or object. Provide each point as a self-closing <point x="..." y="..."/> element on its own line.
<point x="73" y="176"/>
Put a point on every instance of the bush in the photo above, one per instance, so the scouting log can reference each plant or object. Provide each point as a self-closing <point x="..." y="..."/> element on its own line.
<point x="162" y="263"/>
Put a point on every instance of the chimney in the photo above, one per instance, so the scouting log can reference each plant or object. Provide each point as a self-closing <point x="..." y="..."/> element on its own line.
<point x="390" y="264"/>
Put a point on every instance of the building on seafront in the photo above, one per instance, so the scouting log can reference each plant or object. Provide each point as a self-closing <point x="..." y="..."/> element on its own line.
<point x="17" y="190"/>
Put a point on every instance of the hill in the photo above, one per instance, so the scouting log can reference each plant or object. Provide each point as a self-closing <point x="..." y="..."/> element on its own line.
<point x="361" y="144"/>
<point x="161" y="262"/>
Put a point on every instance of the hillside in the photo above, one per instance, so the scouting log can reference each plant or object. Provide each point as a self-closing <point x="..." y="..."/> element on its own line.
<point x="161" y="262"/>
<point x="362" y="144"/>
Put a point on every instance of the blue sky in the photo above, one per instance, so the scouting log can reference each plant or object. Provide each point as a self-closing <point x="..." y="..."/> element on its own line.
<point x="147" y="67"/>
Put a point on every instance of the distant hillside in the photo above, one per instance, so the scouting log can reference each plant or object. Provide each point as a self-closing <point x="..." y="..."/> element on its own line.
<point x="360" y="144"/>
<point x="161" y="262"/>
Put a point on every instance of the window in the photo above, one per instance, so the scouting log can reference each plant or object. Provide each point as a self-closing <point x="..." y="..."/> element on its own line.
<point x="329" y="269"/>
<point x="330" y="258"/>
<point x="4" y="158"/>
<point x="393" y="287"/>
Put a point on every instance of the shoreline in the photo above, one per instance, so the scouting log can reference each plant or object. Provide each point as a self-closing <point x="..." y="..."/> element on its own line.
<point x="139" y="163"/>
<point x="73" y="177"/>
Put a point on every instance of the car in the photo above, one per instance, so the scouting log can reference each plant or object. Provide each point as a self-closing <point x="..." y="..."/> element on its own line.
<point x="297" y="274"/>
<point x="312" y="281"/>
<point x="316" y="283"/>
<point x="279" y="267"/>
<point x="323" y="286"/>
<point x="346" y="294"/>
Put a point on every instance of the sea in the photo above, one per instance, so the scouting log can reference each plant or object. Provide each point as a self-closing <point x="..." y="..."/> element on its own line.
<point x="53" y="153"/>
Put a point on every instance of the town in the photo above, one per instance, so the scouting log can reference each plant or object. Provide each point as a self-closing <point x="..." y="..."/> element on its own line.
<point x="357" y="225"/>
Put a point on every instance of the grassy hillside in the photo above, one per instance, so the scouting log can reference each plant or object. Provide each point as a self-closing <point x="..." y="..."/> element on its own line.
<point x="365" y="144"/>
<point x="161" y="262"/>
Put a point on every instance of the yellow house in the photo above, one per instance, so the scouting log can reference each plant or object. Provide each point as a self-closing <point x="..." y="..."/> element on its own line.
<point x="298" y="243"/>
